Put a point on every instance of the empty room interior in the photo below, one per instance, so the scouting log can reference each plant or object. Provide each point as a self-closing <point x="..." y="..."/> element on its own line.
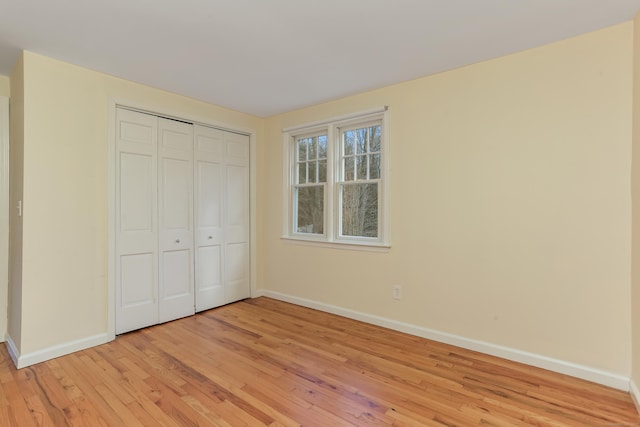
<point x="320" y="213"/>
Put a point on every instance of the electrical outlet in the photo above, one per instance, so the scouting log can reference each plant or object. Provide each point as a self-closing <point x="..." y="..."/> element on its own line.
<point x="396" y="292"/>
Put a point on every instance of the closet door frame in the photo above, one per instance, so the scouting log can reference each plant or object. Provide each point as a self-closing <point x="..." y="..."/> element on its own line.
<point x="4" y="216"/>
<point x="111" y="191"/>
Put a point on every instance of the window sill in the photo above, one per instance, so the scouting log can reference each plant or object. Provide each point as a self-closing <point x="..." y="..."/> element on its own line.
<point x="350" y="246"/>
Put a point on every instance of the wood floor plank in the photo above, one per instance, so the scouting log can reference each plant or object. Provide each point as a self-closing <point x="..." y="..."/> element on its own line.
<point x="89" y="400"/>
<point x="18" y="411"/>
<point x="266" y="362"/>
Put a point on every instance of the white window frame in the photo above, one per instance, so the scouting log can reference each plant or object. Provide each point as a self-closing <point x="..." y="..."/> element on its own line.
<point x="332" y="203"/>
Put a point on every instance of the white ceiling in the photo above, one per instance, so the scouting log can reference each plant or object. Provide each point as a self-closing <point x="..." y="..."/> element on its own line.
<point x="264" y="57"/>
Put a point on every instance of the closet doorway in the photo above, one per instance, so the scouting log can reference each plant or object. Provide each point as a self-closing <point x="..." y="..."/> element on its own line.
<point x="182" y="218"/>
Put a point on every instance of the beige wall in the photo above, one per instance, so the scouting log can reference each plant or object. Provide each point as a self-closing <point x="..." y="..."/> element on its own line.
<point x="64" y="253"/>
<point x="510" y="204"/>
<point x="635" y="185"/>
<point x="4" y="86"/>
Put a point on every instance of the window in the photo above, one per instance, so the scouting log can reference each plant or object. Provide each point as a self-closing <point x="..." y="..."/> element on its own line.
<point x="337" y="179"/>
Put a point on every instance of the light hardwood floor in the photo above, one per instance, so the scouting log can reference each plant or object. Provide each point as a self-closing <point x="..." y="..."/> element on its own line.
<point x="265" y="362"/>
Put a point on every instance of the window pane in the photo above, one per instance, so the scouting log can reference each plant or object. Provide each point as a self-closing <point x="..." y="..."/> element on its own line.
<point x="312" y="172"/>
<point x="310" y="210"/>
<point x="322" y="147"/>
<point x="349" y="142"/>
<point x="302" y="149"/>
<point x="322" y="172"/>
<point x="374" y="166"/>
<point x="376" y="137"/>
<point x="361" y="140"/>
<point x="360" y="210"/>
<point x="362" y="167"/>
<point x="348" y="169"/>
<point x="313" y="148"/>
<point x="302" y="173"/>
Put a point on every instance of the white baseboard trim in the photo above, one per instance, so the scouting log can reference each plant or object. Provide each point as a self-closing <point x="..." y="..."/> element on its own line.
<point x="12" y="349"/>
<point x="609" y="379"/>
<point x="635" y="394"/>
<point x="28" y="359"/>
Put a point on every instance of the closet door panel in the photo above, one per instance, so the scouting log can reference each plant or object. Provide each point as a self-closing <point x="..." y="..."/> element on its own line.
<point x="136" y="207"/>
<point x="137" y="278"/>
<point x="176" y="275"/>
<point x="136" y="221"/>
<point x="209" y="154"/>
<point x="210" y="292"/>
<point x="236" y="217"/>
<point x="175" y="215"/>
<point x="237" y="272"/>
<point x="209" y="142"/>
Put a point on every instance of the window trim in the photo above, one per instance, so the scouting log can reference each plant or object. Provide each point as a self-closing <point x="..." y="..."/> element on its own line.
<point x="331" y="234"/>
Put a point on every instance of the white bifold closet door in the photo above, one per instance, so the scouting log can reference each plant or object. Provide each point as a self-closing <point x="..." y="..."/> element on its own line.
<point x="222" y="217"/>
<point x="176" y="253"/>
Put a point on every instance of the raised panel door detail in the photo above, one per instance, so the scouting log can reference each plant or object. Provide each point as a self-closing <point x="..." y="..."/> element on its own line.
<point x="236" y="193"/>
<point x="236" y="285"/>
<point x="137" y="280"/>
<point x="237" y="146"/>
<point x="176" y="140"/>
<point x="140" y="133"/>
<point x="237" y="199"/>
<point x="211" y="143"/>
<point x="209" y="196"/>
<point x="176" y="181"/>
<point x="210" y="289"/>
<point x="176" y="267"/>
<point x="209" y="271"/>
<point x="136" y="208"/>
<point x="236" y="262"/>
